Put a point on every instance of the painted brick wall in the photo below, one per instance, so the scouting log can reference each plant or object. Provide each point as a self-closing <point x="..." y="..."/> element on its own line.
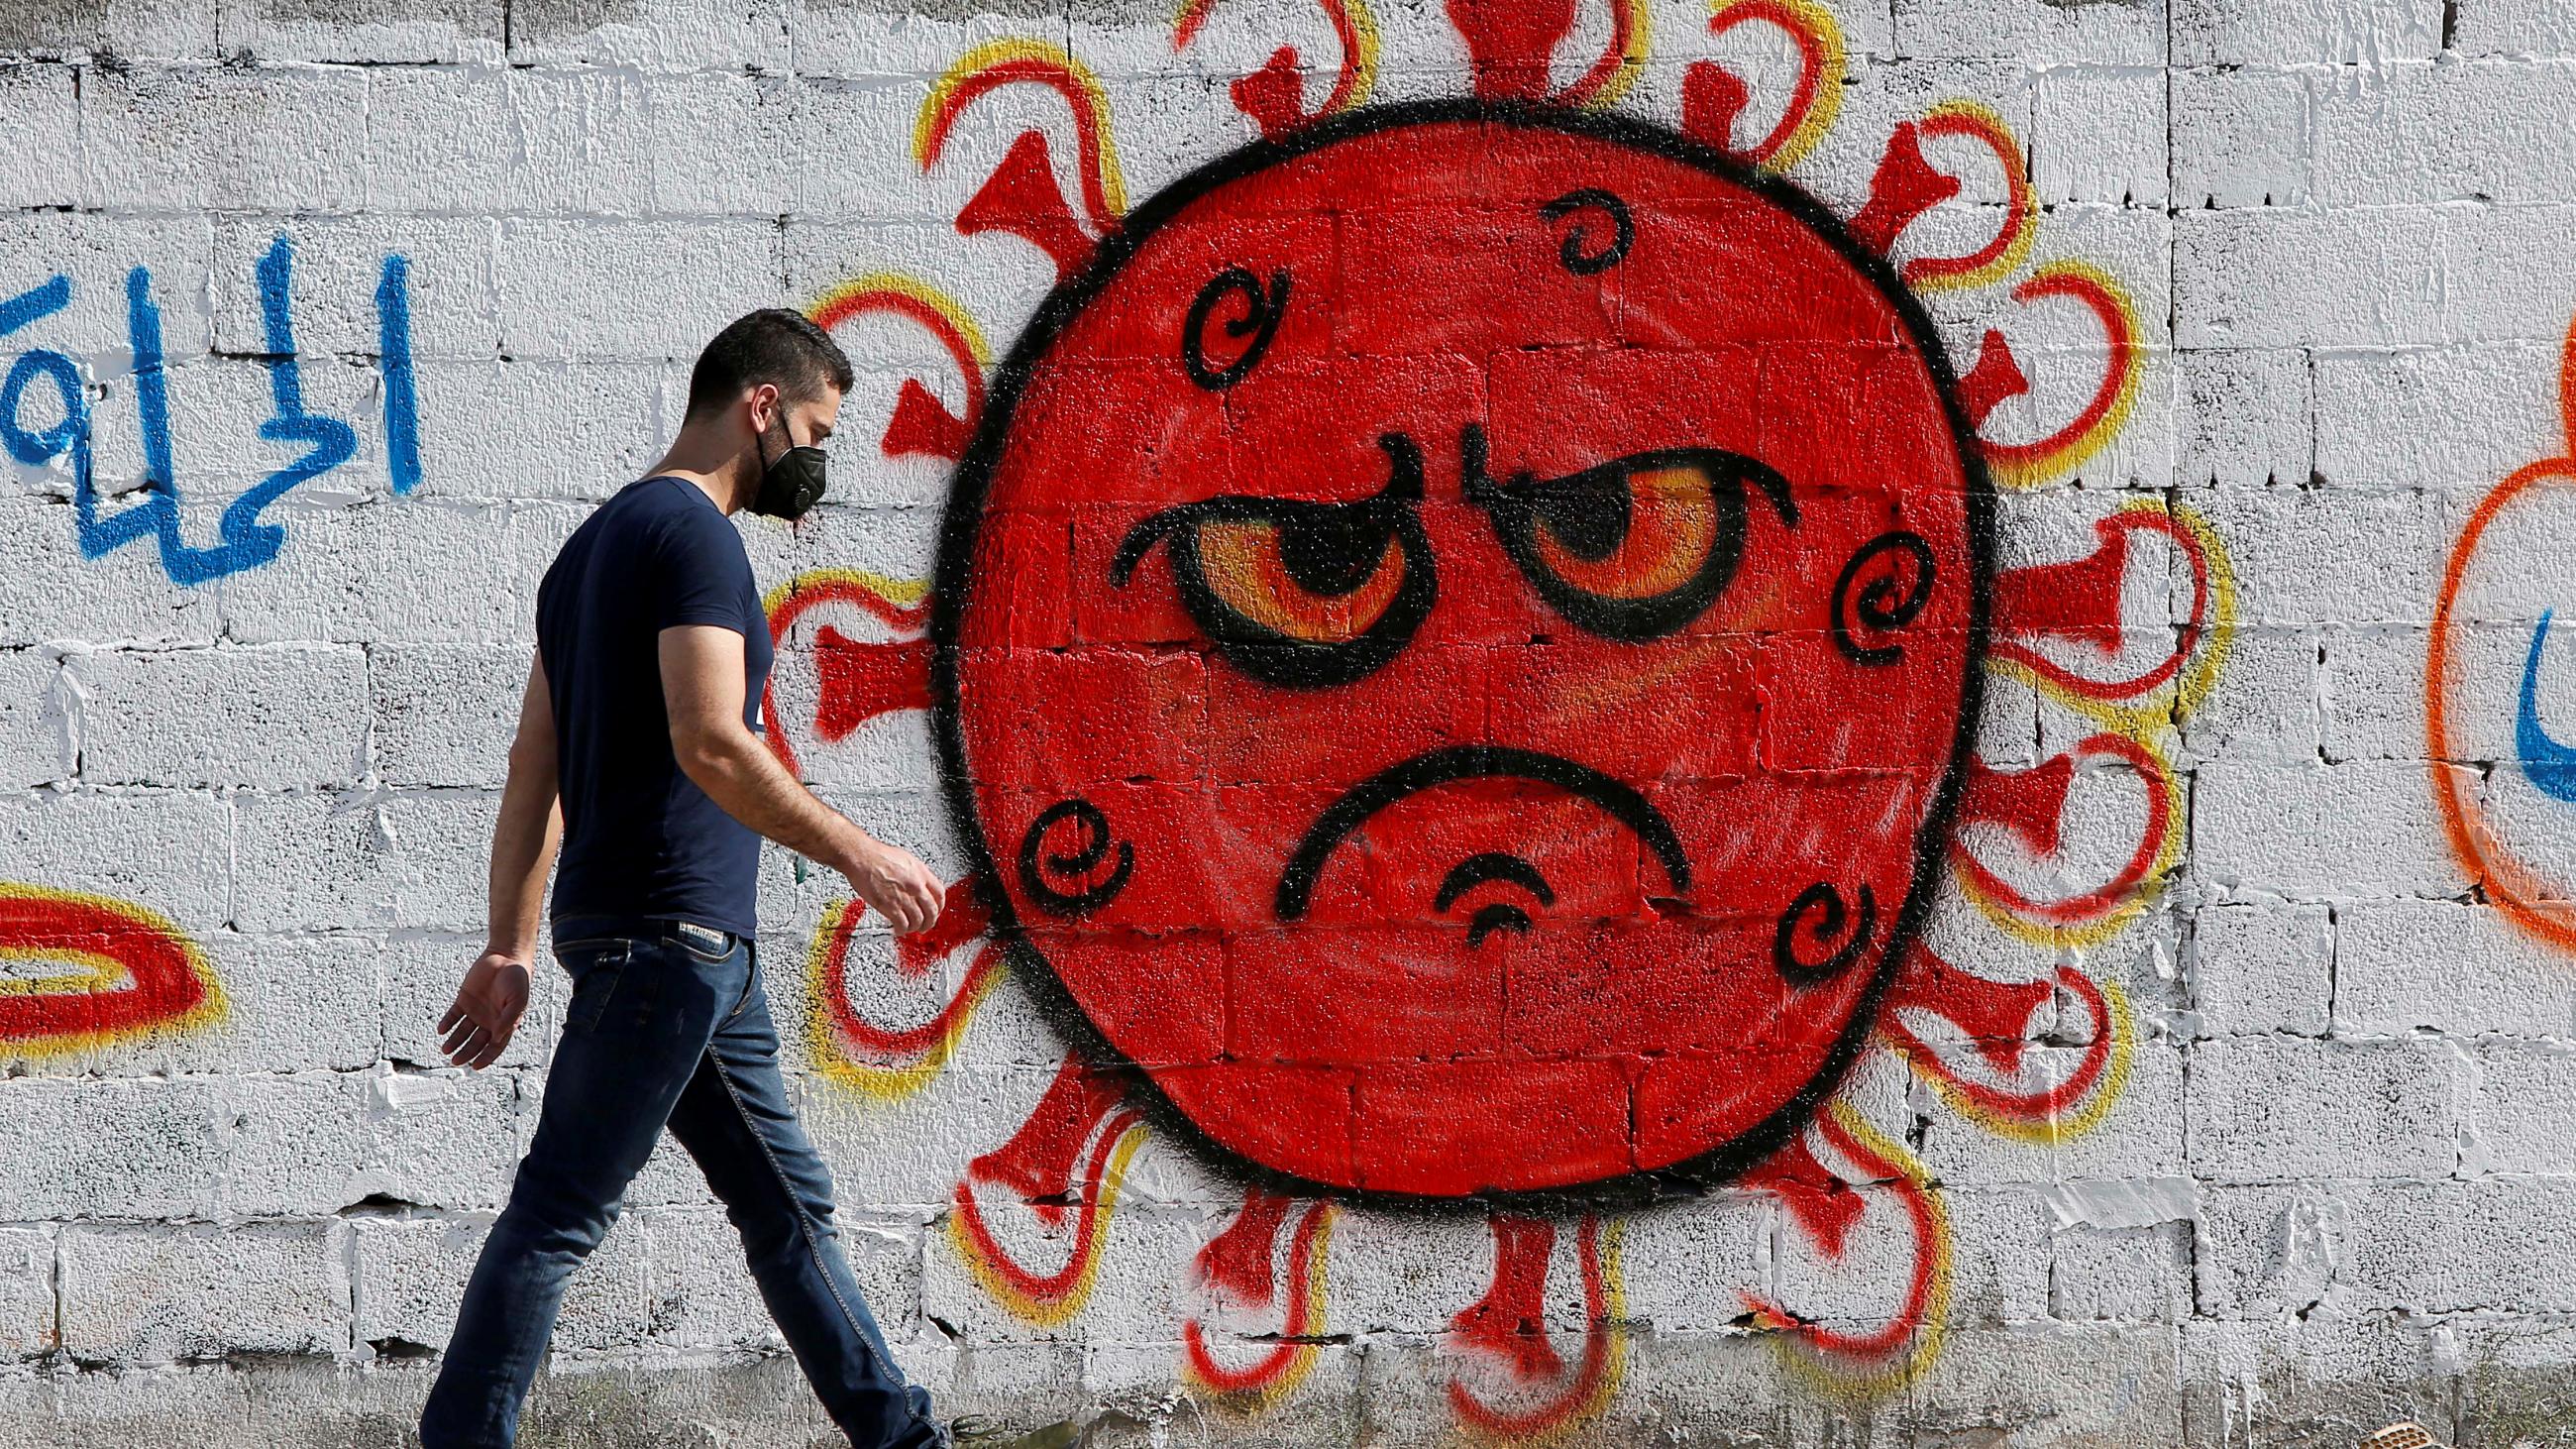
<point x="2183" y="1060"/>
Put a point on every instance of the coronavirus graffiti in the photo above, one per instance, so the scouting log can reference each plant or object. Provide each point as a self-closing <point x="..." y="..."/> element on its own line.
<point x="1586" y="633"/>
<point x="1462" y="652"/>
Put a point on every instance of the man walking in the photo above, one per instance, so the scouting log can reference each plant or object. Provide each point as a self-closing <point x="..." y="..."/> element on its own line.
<point x="641" y="718"/>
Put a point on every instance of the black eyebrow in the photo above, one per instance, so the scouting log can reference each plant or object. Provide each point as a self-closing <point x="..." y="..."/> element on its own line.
<point x="1403" y="486"/>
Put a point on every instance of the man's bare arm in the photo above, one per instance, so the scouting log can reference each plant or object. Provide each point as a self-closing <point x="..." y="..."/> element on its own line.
<point x="531" y="824"/>
<point x="494" y="996"/>
<point x="703" y="691"/>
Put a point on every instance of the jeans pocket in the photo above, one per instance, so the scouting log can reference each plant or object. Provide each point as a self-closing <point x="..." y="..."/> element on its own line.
<point x="595" y="967"/>
<point x="692" y="939"/>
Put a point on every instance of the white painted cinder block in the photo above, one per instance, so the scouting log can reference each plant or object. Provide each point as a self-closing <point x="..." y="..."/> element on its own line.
<point x="2423" y="132"/>
<point x="42" y="107"/>
<point x="2291" y="32"/>
<point x="2262" y="968"/>
<point x="2033" y="31"/>
<point x="409" y="1275"/>
<point x="2096" y="136"/>
<point x="169" y="847"/>
<point x="2517" y="27"/>
<point x="35" y="739"/>
<point x="2273" y="708"/>
<point x="446" y="713"/>
<point x="471" y="30"/>
<point x="2239" y="137"/>
<point x="2274" y="278"/>
<point x="2261" y="1108"/>
<point x="567" y="288"/>
<point x="273" y="718"/>
<point x="2461" y="969"/>
<point x="151" y="1296"/>
<point x="2445" y="417"/>
<point x="198" y="138"/>
<point x="322" y="862"/>
<point x="2320" y="832"/>
<point x="2524" y="1091"/>
<point x="480" y="142"/>
<point x="28" y="1316"/>
<point x="144" y="1149"/>
<point x="292" y="1003"/>
<point x="2243" y="418"/>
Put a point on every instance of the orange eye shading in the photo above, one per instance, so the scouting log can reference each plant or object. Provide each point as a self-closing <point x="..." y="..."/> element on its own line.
<point x="1633" y="548"/>
<point x="1669" y="527"/>
<point x="1296" y="593"/>
<point x="1241" y="562"/>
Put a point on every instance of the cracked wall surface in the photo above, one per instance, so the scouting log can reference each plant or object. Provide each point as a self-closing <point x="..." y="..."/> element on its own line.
<point x="2047" y="927"/>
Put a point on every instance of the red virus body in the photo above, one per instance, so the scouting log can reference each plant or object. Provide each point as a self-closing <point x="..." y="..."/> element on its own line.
<point x="1456" y="641"/>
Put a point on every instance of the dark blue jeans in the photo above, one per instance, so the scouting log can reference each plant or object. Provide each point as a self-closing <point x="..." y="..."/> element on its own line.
<point x="668" y="1025"/>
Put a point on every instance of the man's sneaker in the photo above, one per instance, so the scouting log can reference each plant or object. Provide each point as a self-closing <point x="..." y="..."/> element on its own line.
<point x="2405" y="1434"/>
<point x="975" y="1431"/>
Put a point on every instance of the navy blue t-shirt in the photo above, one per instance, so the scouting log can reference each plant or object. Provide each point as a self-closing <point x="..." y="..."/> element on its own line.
<point x="640" y="837"/>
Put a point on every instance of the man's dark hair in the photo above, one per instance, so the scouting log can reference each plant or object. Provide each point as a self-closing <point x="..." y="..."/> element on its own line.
<point x="772" y="345"/>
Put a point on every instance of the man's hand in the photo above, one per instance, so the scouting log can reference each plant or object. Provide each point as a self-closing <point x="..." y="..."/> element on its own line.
<point x="478" y="1026"/>
<point x="897" y="885"/>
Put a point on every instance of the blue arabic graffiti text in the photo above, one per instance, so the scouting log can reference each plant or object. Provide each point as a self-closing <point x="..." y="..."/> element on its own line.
<point x="246" y="539"/>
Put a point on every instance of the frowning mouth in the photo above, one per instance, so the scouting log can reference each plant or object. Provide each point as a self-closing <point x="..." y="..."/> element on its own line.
<point x="1344" y="817"/>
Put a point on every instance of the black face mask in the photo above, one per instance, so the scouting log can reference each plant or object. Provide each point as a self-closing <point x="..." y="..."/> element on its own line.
<point x="792" y="482"/>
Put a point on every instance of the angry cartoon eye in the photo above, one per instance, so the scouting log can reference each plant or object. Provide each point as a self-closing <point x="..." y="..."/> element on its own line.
<point x="1295" y="593"/>
<point x="1633" y="548"/>
<point x="1311" y="583"/>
